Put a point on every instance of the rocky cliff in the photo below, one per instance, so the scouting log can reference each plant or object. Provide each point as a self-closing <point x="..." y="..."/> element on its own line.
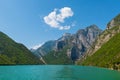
<point x="73" y="46"/>
<point x="106" y="49"/>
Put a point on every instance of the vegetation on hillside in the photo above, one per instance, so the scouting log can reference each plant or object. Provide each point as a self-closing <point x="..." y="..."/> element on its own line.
<point x="59" y="57"/>
<point x="15" y="53"/>
<point x="107" y="56"/>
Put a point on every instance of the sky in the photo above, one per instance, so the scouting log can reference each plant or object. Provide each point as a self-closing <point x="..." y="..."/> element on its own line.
<point x="33" y="22"/>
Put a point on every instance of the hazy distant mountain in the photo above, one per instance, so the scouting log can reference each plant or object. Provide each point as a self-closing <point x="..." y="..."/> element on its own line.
<point x="15" y="53"/>
<point x="45" y="48"/>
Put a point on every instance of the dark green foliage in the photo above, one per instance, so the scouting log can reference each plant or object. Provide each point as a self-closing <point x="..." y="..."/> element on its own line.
<point x="107" y="56"/>
<point x="59" y="57"/>
<point x="15" y="53"/>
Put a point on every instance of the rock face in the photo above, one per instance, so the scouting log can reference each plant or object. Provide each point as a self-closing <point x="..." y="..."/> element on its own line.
<point x="60" y="45"/>
<point x="81" y="41"/>
<point x="75" y="53"/>
<point x="113" y="27"/>
<point x="75" y="45"/>
<point x="105" y="51"/>
<point x="114" y="22"/>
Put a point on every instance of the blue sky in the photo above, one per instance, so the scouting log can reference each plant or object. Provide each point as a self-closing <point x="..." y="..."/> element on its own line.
<point x="23" y="20"/>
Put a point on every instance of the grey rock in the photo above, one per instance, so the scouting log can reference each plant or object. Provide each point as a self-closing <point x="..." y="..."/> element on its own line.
<point x="78" y="43"/>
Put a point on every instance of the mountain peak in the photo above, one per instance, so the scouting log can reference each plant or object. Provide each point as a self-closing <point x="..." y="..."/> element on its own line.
<point x="90" y="28"/>
<point x="114" y="22"/>
<point x="93" y="26"/>
<point x="67" y="34"/>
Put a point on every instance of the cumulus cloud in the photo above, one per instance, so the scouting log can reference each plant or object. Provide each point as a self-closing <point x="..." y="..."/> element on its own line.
<point x="57" y="17"/>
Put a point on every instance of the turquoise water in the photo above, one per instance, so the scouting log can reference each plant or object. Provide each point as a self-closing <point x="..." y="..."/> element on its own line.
<point x="56" y="72"/>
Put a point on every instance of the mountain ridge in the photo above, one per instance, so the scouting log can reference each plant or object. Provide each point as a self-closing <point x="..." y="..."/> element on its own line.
<point x="12" y="53"/>
<point x="106" y="50"/>
<point x="76" y="43"/>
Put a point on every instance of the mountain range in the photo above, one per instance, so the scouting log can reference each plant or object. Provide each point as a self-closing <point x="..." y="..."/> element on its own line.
<point x="70" y="47"/>
<point x="90" y="47"/>
<point x="106" y="51"/>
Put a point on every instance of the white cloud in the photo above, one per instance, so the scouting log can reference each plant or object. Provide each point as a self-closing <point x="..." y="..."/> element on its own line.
<point x="55" y="19"/>
<point x="37" y="46"/>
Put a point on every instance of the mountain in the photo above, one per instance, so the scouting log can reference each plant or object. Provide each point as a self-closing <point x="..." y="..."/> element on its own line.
<point x="114" y="22"/>
<point x="70" y="47"/>
<point x="106" y="51"/>
<point x="45" y="48"/>
<point x="15" y="53"/>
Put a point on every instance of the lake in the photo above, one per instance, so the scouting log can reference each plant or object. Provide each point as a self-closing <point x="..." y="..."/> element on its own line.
<point x="56" y="72"/>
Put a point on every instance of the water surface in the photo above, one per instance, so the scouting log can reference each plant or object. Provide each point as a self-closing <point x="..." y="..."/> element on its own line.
<point x="56" y="72"/>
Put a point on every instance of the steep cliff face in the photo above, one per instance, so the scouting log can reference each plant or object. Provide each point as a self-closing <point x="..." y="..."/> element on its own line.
<point x="105" y="51"/>
<point x="85" y="38"/>
<point x="73" y="46"/>
<point x="113" y="27"/>
<point x="82" y="41"/>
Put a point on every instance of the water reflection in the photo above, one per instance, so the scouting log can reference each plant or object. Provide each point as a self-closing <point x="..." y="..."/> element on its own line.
<point x="86" y="73"/>
<point x="56" y="72"/>
<point x="66" y="73"/>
